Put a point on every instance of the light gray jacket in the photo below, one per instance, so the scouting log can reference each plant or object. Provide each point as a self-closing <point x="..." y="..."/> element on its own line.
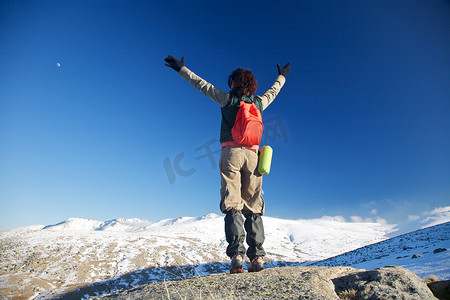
<point x="223" y="98"/>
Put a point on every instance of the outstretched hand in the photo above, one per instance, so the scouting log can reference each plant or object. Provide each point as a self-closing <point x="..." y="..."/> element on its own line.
<point x="174" y="63"/>
<point x="284" y="70"/>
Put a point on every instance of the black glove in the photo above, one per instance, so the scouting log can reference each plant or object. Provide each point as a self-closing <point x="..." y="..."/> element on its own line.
<point x="174" y="63"/>
<point x="284" y="70"/>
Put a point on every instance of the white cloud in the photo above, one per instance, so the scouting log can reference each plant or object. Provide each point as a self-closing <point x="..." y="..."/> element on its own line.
<point x="358" y="219"/>
<point x="381" y="221"/>
<point x="334" y="218"/>
<point x="413" y="217"/>
<point x="438" y="210"/>
<point x="374" y="211"/>
<point x="437" y="216"/>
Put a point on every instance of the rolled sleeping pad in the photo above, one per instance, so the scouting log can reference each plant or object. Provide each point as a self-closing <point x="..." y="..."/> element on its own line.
<point x="265" y="159"/>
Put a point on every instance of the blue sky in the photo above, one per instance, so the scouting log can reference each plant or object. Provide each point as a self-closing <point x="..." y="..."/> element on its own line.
<point x="361" y="127"/>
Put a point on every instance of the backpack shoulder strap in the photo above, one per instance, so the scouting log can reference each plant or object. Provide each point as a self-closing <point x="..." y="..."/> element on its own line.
<point x="247" y="99"/>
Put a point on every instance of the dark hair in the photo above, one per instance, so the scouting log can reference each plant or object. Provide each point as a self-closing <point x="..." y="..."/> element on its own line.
<point x="244" y="83"/>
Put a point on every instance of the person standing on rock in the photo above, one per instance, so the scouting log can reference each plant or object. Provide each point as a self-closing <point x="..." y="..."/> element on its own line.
<point x="241" y="184"/>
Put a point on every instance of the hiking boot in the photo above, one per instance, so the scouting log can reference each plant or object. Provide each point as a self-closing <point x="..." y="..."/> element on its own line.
<point x="237" y="264"/>
<point x="256" y="265"/>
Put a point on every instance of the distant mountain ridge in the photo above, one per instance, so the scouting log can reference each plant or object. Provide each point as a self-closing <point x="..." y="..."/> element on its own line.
<point x="127" y="252"/>
<point x="120" y="224"/>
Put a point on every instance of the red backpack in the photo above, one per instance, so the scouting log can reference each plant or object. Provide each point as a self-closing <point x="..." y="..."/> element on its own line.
<point x="248" y="127"/>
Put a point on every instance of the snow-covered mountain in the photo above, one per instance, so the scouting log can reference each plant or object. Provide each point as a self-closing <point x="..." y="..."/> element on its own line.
<point x="423" y="251"/>
<point x="42" y="261"/>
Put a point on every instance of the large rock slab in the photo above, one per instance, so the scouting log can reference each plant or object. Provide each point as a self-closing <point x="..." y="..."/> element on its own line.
<point x="310" y="282"/>
<point x="390" y="282"/>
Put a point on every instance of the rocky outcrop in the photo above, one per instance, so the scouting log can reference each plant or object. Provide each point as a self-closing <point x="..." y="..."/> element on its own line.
<point x="286" y="283"/>
<point x="441" y="289"/>
<point x="390" y="282"/>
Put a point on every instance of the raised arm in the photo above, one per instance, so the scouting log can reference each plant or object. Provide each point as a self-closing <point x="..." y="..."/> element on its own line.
<point x="196" y="81"/>
<point x="271" y="93"/>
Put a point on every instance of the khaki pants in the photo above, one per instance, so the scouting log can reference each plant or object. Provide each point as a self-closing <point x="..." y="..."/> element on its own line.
<point x="241" y="184"/>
